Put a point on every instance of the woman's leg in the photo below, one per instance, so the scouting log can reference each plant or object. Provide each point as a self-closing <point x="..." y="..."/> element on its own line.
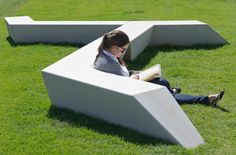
<point x="181" y="98"/>
<point x="190" y="99"/>
<point x="163" y="82"/>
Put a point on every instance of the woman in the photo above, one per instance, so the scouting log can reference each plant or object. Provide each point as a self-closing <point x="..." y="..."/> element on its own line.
<point x="108" y="59"/>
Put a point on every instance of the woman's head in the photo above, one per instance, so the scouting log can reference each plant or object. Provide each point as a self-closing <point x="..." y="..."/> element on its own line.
<point x="115" y="42"/>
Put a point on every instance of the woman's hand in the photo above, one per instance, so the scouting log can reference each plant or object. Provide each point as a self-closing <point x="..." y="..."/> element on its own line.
<point x="134" y="76"/>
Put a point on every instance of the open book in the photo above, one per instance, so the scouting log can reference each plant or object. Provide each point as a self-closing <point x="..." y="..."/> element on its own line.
<point x="150" y="73"/>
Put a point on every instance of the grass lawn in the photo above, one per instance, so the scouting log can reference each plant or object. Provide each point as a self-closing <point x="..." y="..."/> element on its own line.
<point x="29" y="125"/>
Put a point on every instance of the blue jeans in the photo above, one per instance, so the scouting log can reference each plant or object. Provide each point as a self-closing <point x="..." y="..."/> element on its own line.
<point x="181" y="98"/>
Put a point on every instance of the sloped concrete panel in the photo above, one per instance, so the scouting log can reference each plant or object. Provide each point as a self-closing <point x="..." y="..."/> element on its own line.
<point x="153" y="112"/>
<point x="185" y="35"/>
<point x="163" y="107"/>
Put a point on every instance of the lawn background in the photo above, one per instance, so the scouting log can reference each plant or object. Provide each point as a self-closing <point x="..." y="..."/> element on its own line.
<point x="29" y="125"/>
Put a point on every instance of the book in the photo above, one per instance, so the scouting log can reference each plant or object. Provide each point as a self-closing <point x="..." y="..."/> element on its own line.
<point x="150" y="73"/>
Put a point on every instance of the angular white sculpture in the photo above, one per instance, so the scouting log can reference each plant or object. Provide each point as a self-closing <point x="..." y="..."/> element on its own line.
<point x="73" y="83"/>
<point x="176" y="33"/>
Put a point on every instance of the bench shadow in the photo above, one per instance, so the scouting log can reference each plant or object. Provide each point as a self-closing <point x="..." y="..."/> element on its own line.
<point x="61" y="44"/>
<point x="81" y="120"/>
<point x="152" y="51"/>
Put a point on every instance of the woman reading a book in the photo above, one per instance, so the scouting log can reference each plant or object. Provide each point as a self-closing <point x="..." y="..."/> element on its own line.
<point x="108" y="59"/>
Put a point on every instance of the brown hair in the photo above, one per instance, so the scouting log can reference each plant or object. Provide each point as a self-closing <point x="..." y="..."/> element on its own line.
<point x="117" y="38"/>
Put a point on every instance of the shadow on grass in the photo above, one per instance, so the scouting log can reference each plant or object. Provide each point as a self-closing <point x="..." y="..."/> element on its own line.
<point x="221" y="108"/>
<point x="82" y="120"/>
<point x="152" y="51"/>
<point x="62" y="44"/>
<point x="218" y="107"/>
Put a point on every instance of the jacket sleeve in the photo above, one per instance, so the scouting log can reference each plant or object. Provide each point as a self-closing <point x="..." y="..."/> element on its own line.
<point x="115" y="69"/>
<point x="108" y="66"/>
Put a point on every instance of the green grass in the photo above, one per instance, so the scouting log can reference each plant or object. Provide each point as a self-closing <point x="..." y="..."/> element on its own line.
<point x="8" y="7"/>
<point x="29" y="125"/>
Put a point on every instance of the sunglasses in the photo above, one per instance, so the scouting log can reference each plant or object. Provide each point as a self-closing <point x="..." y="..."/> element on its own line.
<point x="121" y="49"/>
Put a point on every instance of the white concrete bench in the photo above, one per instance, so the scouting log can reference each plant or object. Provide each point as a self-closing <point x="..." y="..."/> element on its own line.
<point x="174" y="33"/>
<point x="26" y="30"/>
<point x="73" y="83"/>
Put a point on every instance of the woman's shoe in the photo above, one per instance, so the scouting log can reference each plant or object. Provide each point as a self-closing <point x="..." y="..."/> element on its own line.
<point x="218" y="98"/>
<point x="176" y="90"/>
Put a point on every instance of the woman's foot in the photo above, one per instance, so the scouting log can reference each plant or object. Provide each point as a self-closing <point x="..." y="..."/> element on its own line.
<point x="176" y="90"/>
<point x="215" y="98"/>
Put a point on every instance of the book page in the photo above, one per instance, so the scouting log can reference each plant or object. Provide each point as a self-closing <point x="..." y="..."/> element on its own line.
<point x="150" y="73"/>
